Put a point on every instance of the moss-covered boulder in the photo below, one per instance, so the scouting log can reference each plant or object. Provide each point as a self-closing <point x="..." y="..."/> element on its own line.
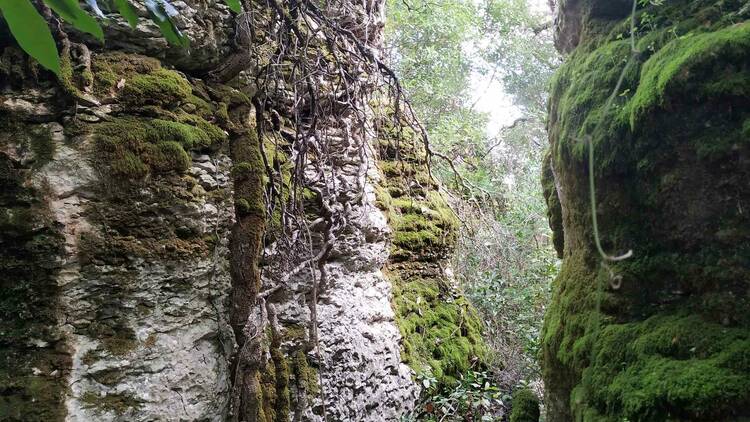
<point x="664" y="335"/>
<point x="525" y="406"/>
<point x="441" y="331"/>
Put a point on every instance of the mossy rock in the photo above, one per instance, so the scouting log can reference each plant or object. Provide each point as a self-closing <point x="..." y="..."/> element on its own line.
<point x="30" y="345"/>
<point x="441" y="332"/>
<point x="134" y="147"/>
<point x="663" y="335"/>
<point x="525" y="407"/>
<point x="138" y="81"/>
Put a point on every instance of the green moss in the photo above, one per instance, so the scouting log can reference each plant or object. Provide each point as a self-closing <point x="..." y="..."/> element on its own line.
<point x="160" y="87"/>
<point x="268" y="386"/>
<point x="689" y="62"/>
<point x="424" y="226"/>
<point x="202" y="107"/>
<point x="244" y="170"/>
<point x="134" y="147"/>
<point x="441" y="332"/>
<point x="123" y="64"/>
<point x="66" y="75"/>
<point x="188" y="136"/>
<point x="525" y="406"/>
<point x="129" y="166"/>
<point x="211" y="133"/>
<point x="295" y="333"/>
<point x="275" y="383"/>
<point x="282" y="402"/>
<point x="304" y="374"/>
<point x="75" y="127"/>
<point x="669" y="365"/>
<point x="167" y="156"/>
<point x="554" y="208"/>
<point x="383" y="198"/>
<point x="249" y="206"/>
<point x="662" y="345"/>
<point x="142" y="84"/>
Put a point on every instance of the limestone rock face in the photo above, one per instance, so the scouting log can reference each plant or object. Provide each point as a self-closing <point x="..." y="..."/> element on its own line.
<point x="116" y="215"/>
<point x="363" y="377"/>
<point x="139" y="283"/>
<point x="663" y="335"/>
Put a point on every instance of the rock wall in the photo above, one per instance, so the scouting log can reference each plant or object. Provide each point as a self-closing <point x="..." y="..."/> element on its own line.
<point x="357" y="351"/>
<point x="137" y="296"/>
<point x="442" y="333"/>
<point x="663" y="335"/>
<point x="118" y="198"/>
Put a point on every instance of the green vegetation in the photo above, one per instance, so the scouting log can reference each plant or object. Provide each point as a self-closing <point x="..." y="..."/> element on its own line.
<point x="503" y="259"/>
<point x="159" y="87"/>
<point x="525" y="406"/>
<point x="678" y="364"/>
<point x="135" y="147"/>
<point x="30" y="30"/>
<point x="685" y="62"/>
<point x="473" y="397"/>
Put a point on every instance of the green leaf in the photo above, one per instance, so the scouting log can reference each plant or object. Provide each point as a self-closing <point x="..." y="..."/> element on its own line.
<point x="234" y="5"/>
<point x="172" y="35"/>
<point x="161" y="13"/>
<point x="127" y="12"/>
<point x="71" y="12"/>
<point x="31" y="31"/>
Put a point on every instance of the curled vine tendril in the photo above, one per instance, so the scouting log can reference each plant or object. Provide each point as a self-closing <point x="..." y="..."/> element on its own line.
<point x="592" y="185"/>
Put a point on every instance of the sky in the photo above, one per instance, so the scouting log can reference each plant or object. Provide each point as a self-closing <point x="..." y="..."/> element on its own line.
<point x="490" y="95"/>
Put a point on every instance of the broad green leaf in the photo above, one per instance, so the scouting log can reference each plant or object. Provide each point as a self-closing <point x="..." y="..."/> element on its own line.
<point x="127" y="12"/>
<point x="31" y="31"/>
<point x="171" y="33"/>
<point x="162" y="13"/>
<point x="234" y="5"/>
<point x="72" y="13"/>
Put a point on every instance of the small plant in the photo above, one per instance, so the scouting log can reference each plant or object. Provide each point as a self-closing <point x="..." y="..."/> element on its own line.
<point x="474" y="398"/>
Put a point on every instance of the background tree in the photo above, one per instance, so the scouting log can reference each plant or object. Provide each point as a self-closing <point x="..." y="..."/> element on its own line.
<point x="504" y="260"/>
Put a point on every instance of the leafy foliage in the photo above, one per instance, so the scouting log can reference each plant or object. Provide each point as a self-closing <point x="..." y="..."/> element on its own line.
<point x="70" y="11"/>
<point x="474" y="398"/>
<point x="525" y="406"/>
